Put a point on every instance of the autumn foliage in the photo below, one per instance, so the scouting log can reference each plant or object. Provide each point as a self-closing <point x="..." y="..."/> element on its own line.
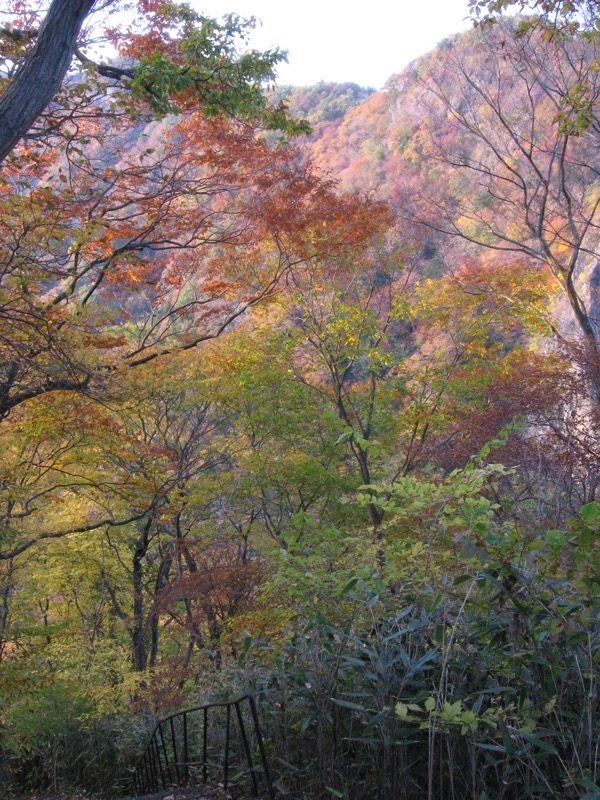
<point x="316" y="419"/>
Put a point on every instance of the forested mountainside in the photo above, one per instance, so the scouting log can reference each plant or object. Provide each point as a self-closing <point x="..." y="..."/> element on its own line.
<point x="469" y="140"/>
<point x="322" y="103"/>
<point x="311" y="417"/>
<point x="378" y="140"/>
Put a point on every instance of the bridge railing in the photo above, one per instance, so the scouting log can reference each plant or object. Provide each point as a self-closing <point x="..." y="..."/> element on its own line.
<point x="213" y="743"/>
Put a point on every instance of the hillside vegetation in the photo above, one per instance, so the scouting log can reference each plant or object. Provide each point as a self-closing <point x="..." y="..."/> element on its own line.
<point x="313" y="417"/>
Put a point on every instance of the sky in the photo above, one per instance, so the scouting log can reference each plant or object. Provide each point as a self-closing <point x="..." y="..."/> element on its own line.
<point x="361" y="41"/>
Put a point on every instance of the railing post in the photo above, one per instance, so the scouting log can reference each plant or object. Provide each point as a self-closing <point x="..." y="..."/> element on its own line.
<point x="205" y="746"/>
<point x="147" y="780"/>
<point x="164" y="748"/>
<point x="246" y="744"/>
<point x="175" y="755"/>
<point x="226" y="764"/>
<point x="153" y="785"/>
<point x="261" y="747"/>
<point x="186" y="755"/>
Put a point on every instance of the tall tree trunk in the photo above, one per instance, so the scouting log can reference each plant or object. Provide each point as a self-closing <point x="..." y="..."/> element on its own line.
<point x="196" y="638"/>
<point x="161" y="581"/>
<point x="39" y="78"/>
<point x="5" y="591"/>
<point x="137" y="634"/>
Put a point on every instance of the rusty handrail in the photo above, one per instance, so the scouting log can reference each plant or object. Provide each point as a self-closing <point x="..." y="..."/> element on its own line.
<point x="181" y="748"/>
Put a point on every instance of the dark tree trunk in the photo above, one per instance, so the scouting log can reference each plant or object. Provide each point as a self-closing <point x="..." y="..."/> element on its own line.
<point x="196" y="638"/>
<point x="160" y="583"/>
<point x="214" y="631"/>
<point x="137" y="634"/>
<point x="39" y="78"/>
<point x="5" y="592"/>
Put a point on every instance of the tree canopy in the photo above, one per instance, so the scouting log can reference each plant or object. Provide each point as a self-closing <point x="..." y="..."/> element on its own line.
<point x="168" y="56"/>
<point x="263" y="431"/>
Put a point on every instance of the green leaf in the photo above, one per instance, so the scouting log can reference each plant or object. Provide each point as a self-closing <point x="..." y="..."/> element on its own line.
<point x="345" y="437"/>
<point x="461" y="579"/>
<point x="586" y="783"/>
<point x="347" y="587"/>
<point x="555" y="538"/>
<point x="536" y="741"/>
<point x="590" y="511"/>
<point x="495" y="748"/>
<point x="347" y="704"/>
<point x="436" y="603"/>
<point x="308" y="721"/>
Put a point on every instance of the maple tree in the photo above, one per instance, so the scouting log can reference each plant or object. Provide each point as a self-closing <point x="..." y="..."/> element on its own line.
<point x="299" y="415"/>
<point x="376" y="376"/>
<point x="155" y="222"/>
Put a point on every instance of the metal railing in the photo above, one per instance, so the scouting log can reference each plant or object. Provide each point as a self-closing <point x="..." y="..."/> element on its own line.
<point x="217" y="742"/>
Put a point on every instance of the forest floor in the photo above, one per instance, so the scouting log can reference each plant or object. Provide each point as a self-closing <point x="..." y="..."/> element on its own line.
<point x="204" y="792"/>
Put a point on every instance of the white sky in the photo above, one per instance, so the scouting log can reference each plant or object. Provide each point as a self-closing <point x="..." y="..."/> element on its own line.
<point x="363" y="41"/>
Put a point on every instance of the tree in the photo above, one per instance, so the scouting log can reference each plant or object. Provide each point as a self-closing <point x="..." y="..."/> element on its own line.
<point x="420" y="375"/>
<point x="134" y="252"/>
<point x="573" y="14"/>
<point x="173" y="55"/>
<point x="39" y="77"/>
<point x="124" y="240"/>
<point x="113" y="254"/>
<point x="158" y="253"/>
<point x="77" y="174"/>
<point x="515" y="181"/>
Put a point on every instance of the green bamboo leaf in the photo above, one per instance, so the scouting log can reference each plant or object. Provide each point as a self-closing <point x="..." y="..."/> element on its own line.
<point x="347" y="704"/>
